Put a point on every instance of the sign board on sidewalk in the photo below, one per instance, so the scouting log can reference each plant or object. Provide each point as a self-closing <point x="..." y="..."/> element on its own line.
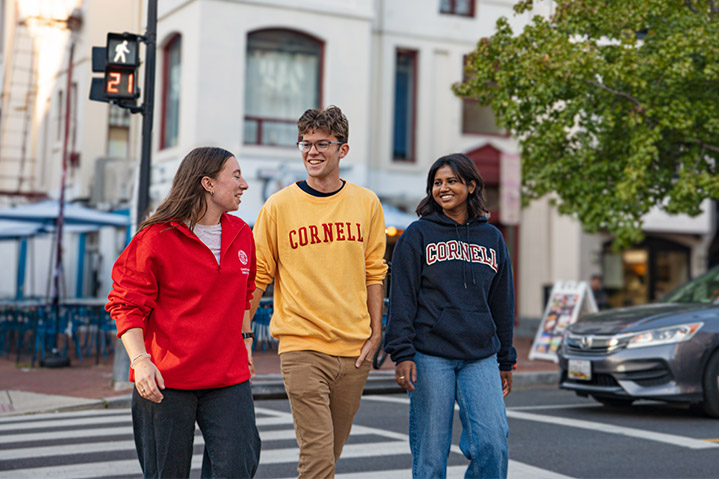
<point x="568" y="301"/>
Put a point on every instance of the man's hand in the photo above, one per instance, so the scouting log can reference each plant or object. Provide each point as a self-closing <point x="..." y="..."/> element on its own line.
<point x="506" y="382"/>
<point x="405" y="373"/>
<point x="368" y="349"/>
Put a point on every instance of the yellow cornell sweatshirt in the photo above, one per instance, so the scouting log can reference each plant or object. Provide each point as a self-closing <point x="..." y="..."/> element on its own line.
<point x="322" y="252"/>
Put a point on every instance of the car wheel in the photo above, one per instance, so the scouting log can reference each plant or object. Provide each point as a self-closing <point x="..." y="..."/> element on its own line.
<point x="711" y="386"/>
<point x="614" y="402"/>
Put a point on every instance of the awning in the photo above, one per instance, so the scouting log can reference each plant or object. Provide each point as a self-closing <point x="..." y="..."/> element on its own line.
<point x="47" y="212"/>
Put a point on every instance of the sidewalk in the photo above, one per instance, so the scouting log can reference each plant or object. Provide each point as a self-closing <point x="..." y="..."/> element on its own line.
<point x="25" y="390"/>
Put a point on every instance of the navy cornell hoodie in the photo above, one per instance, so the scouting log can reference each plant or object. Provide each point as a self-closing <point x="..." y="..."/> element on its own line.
<point x="451" y="294"/>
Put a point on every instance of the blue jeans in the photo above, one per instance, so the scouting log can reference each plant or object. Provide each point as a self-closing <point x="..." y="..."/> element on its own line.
<point x="477" y="388"/>
<point x="164" y="433"/>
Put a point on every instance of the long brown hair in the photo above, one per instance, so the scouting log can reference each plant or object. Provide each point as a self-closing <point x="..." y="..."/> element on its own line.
<point x="186" y="200"/>
<point x="467" y="172"/>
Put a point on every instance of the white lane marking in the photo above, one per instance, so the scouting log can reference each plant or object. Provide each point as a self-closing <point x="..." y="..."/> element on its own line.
<point x="554" y="406"/>
<point x="126" y="445"/>
<point x="405" y="400"/>
<point x="278" y="418"/>
<point x="672" y="439"/>
<point x="62" y="415"/>
<point x="61" y="423"/>
<point x="132" y="466"/>
<point x="56" y="435"/>
<point x="518" y="470"/>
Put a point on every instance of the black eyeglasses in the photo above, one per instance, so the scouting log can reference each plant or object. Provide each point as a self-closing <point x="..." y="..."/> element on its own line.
<point x="321" y="146"/>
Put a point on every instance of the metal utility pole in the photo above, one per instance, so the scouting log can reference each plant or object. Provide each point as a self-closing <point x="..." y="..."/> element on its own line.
<point x="143" y="187"/>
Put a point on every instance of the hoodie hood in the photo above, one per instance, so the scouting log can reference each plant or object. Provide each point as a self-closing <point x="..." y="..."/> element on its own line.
<point x="442" y="219"/>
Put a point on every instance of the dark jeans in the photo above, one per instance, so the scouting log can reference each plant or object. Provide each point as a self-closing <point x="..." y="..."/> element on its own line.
<point x="164" y="433"/>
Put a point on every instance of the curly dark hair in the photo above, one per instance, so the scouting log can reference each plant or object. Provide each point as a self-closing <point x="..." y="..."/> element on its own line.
<point x="467" y="172"/>
<point x="331" y="120"/>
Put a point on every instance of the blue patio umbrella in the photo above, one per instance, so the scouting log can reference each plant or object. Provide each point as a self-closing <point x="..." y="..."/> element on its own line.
<point x="21" y="222"/>
<point x="47" y="212"/>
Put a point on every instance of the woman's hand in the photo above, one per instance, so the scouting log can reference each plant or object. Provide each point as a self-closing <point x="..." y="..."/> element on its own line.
<point x="148" y="380"/>
<point x="506" y="382"/>
<point x="405" y="373"/>
<point x="248" y="347"/>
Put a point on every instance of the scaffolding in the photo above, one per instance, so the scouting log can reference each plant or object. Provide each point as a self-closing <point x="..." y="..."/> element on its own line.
<point x="17" y="106"/>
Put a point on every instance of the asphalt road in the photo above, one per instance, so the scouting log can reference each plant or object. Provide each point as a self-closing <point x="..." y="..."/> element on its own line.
<point x="553" y="434"/>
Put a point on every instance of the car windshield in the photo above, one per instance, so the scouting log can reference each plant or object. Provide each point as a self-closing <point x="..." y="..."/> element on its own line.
<point x="704" y="289"/>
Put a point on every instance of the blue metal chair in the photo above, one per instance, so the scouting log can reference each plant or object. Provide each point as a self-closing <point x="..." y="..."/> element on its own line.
<point x="261" y="326"/>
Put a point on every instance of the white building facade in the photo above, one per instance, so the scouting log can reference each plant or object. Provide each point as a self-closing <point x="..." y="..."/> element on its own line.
<point x="238" y="74"/>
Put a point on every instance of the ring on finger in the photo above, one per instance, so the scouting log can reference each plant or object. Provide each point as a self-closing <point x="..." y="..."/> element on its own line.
<point x="401" y="377"/>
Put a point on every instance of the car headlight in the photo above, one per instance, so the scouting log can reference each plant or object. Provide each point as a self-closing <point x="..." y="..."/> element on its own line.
<point x="668" y="335"/>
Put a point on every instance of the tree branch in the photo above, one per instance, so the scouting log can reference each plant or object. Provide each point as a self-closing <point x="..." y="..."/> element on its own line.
<point x="616" y="92"/>
<point x="689" y="4"/>
<point x="707" y="146"/>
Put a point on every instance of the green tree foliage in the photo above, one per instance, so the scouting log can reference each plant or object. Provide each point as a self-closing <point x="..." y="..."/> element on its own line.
<point x="615" y="104"/>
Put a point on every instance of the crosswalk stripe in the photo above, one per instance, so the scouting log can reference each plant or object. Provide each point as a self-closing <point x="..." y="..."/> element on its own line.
<point x="56" y="435"/>
<point x="516" y="470"/>
<point x="81" y="433"/>
<point x="62" y="415"/>
<point x="61" y="423"/>
<point x="129" y="445"/>
<point x="672" y="439"/>
<point x="129" y="467"/>
<point x="396" y="444"/>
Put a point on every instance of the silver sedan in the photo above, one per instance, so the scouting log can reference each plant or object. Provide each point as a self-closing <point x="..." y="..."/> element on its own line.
<point x="667" y="351"/>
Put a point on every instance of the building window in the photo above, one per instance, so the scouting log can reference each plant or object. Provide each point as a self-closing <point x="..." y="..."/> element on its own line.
<point x="283" y="79"/>
<point x="405" y="99"/>
<point x="478" y="119"/>
<point x="171" y="93"/>
<point x="463" y="8"/>
<point x="118" y="132"/>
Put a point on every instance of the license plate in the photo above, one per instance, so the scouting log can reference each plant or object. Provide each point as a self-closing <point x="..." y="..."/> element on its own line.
<point x="580" y="369"/>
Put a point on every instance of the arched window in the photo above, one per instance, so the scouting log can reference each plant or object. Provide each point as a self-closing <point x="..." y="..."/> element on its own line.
<point x="170" y="124"/>
<point x="283" y="79"/>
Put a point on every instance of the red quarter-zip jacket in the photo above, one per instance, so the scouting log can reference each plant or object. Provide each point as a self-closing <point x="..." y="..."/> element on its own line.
<point x="190" y="308"/>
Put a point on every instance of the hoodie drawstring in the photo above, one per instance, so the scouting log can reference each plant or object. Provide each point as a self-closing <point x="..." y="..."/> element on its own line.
<point x="469" y="242"/>
<point x="464" y="263"/>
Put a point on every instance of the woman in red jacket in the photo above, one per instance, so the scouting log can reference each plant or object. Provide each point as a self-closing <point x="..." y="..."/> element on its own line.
<point x="180" y="298"/>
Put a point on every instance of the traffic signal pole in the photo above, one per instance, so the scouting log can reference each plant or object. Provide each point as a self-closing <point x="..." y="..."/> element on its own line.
<point x="143" y="187"/>
<point x="121" y="363"/>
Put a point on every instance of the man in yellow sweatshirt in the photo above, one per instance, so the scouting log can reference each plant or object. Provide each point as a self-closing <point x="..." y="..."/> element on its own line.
<point x="322" y="240"/>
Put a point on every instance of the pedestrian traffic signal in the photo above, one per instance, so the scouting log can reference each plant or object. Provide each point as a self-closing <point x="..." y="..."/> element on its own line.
<point x="122" y="49"/>
<point x="118" y="60"/>
<point x="120" y="82"/>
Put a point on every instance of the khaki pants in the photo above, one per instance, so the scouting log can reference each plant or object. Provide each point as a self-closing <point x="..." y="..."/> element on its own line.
<point x="324" y="393"/>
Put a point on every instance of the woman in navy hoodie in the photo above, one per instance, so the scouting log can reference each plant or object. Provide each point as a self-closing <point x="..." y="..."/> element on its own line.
<point x="450" y="324"/>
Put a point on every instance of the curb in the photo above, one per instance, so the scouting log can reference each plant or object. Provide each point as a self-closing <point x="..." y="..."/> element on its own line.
<point x="271" y="386"/>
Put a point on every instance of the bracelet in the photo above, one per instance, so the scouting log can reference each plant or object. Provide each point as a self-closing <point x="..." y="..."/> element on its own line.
<point x="138" y="357"/>
<point x="248" y="335"/>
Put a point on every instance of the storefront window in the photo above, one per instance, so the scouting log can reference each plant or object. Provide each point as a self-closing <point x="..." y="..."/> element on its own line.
<point x="646" y="273"/>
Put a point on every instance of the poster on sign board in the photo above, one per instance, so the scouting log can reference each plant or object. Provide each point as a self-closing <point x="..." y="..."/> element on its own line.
<point x="568" y="301"/>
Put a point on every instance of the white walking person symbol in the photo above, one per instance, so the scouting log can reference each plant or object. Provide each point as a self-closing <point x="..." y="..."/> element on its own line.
<point x="120" y="51"/>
